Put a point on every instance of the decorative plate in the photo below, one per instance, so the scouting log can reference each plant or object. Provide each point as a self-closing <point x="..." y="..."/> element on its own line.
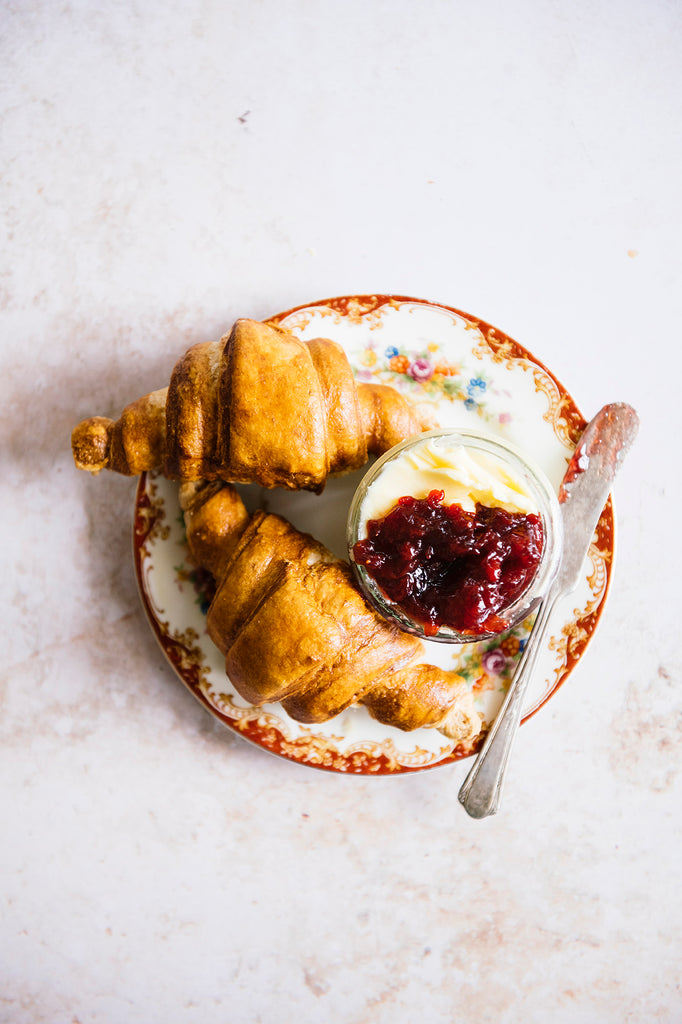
<point x="473" y="375"/>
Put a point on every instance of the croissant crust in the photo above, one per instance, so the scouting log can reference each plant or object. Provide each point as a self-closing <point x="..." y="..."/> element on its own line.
<point x="294" y="628"/>
<point x="257" y="406"/>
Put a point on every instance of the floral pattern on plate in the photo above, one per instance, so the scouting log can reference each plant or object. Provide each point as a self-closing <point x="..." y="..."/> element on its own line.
<point x="463" y="368"/>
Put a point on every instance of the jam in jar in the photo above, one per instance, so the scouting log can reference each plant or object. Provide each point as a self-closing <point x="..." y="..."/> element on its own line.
<point x="447" y="566"/>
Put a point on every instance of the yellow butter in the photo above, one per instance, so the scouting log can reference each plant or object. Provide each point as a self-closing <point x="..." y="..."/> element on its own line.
<point x="468" y="477"/>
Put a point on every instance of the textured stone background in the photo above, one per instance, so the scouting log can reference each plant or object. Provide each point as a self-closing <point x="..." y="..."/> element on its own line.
<point x="167" y="167"/>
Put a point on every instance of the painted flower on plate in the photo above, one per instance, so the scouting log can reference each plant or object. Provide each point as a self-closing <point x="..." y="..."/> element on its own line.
<point x="421" y="369"/>
<point x="399" y="364"/>
<point x="494" y="662"/>
<point x="476" y="386"/>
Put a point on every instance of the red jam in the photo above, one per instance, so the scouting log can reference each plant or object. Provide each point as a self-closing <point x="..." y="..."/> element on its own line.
<point x="444" y="566"/>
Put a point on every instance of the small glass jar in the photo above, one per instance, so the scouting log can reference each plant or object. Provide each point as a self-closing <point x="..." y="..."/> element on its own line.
<point x="513" y="462"/>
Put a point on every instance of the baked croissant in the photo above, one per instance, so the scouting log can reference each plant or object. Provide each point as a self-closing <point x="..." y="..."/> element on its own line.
<point x="258" y="406"/>
<point x="294" y="628"/>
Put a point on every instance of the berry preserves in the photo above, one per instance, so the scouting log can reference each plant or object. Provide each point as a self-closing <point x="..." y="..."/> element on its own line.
<point x="445" y="566"/>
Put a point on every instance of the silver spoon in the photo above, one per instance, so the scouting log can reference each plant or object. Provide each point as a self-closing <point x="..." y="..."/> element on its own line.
<point x="582" y="496"/>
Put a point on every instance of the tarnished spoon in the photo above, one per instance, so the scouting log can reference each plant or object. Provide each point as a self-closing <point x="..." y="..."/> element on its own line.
<point x="582" y="496"/>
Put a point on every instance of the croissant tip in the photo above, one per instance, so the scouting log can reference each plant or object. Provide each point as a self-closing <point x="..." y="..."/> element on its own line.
<point x="462" y="722"/>
<point x="91" y="443"/>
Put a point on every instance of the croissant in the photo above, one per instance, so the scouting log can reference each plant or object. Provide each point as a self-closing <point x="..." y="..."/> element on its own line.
<point x="293" y="627"/>
<point x="259" y="406"/>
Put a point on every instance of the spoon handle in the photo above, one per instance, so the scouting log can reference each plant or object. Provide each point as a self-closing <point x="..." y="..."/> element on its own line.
<point x="480" y="792"/>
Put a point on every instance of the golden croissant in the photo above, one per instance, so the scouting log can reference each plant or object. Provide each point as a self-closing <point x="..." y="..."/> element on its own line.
<point x="258" y="406"/>
<point x="294" y="628"/>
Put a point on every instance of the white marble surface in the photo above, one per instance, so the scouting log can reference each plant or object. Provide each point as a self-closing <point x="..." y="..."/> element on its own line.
<point x="167" y="167"/>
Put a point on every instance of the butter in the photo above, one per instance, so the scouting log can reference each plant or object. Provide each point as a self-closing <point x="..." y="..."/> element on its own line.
<point x="466" y="475"/>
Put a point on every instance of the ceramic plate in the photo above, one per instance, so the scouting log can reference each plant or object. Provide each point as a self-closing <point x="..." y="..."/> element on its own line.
<point x="474" y="376"/>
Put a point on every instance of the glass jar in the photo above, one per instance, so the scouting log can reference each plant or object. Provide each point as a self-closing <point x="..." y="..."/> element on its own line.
<point x="501" y="461"/>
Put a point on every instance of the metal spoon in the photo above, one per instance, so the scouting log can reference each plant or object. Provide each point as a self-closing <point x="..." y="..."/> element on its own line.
<point x="584" y="490"/>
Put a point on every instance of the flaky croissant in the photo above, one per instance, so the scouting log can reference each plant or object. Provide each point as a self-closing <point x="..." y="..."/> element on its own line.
<point x="258" y="406"/>
<point x="294" y="628"/>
